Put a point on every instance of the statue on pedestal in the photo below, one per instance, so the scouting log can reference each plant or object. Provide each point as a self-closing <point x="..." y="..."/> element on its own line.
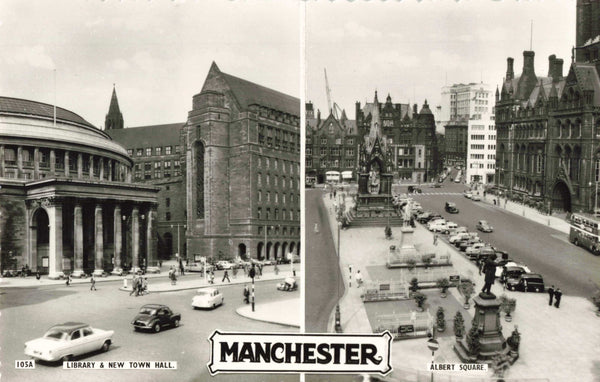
<point x="489" y="269"/>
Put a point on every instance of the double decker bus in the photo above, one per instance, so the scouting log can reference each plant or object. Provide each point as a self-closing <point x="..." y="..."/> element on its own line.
<point x="332" y="176"/>
<point x="584" y="232"/>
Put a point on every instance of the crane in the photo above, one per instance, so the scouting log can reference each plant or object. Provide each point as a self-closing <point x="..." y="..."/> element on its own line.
<point x="333" y="108"/>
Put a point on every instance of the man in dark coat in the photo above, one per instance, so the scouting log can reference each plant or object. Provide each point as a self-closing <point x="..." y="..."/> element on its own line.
<point x="489" y="269"/>
<point x="557" y="296"/>
<point x="246" y="294"/>
<point x="551" y="294"/>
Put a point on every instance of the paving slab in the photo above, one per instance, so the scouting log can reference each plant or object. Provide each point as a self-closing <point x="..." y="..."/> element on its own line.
<point x="284" y="312"/>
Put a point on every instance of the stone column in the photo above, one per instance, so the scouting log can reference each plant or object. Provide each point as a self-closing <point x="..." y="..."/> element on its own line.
<point x="151" y="258"/>
<point x="36" y="163"/>
<point x="67" y="170"/>
<point x="79" y="165"/>
<point x="110" y="170"/>
<point x="78" y="237"/>
<point x="19" y="162"/>
<point x="55" y="247"/>
<point x="128" y="174"/>
<point x="101" y="169"/>
<point x="98" y="241"/>
<point x="118" y="239"/>
<point x="91" y="172"/>
<point x="135" y="238"/>
<point x="52" y="162"/>
<point x="2" y="161"/>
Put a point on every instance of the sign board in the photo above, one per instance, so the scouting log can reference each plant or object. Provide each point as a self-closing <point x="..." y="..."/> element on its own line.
<point x="433" y="345"/>
<point x="454" y="278"/>
<point x="45" y="262"/>
<point x="383" y="287"/>
<point x="403" y="329"/>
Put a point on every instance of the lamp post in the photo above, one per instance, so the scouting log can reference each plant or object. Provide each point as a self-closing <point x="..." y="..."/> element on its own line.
<point x="178" y="239"/>
<point x="433" y="345"/>
<point x="338" y="323"/>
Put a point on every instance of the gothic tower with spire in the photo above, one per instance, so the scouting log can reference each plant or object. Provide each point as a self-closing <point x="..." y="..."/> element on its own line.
<point x="114" y="118"/>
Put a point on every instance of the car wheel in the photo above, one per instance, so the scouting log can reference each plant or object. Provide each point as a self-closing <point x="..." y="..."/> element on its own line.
<point x="176" y="323"/>
<point x="214" y="305"/>
<point x="67" y="358"/>
<point x="511" y="288"/>
<point x="105" y="346"/>
<point x="576" y="242"/>
<point x="537" y="289"/>
<point x="136" y="329"/>
<point x="156" y="327"/>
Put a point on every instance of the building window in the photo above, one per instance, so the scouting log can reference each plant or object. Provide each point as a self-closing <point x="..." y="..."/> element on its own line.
<point x="268" y="197"/>
<point x="258" y="212"/>
<point x="323" y="141"/>
<point x="177" y="149"/>
<point x="157" y="165"/>
<point x="168" y="216"/>
<point x="259" y="196"/>
<point x="268" y="214"/>
<point x="276" y="198"/>
<point x="157" y="174"/>
<point x="258" y="179"/>
<point x="323" y="151"/>
<point x="349" y="152"/>
<point x="158" y="151"/>
<point x="139" y="152"/>
<point x="308" y="151"/>
<point x="168" y="202"/>
<point x="130" y="152"/>
<point x="168" y="150"/>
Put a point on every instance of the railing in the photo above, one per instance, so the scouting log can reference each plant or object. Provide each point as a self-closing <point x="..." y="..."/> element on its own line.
<point x="427" y="275"/>
<point x="405" y="325"/>
<point x="385" y="290"/>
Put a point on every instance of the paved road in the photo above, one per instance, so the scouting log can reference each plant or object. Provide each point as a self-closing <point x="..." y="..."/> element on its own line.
<point x="545" y="250"/>
<point x="321" y="266"/>
<point x="27" y="312"/>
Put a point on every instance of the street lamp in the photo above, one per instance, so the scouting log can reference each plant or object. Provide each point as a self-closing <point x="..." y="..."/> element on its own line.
<point x="178" y="239"/>
<point x="338" y="324"/>
<point x="433" y="345"/>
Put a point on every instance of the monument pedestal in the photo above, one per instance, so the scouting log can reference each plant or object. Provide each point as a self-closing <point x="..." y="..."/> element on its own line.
<point x="487" y="321"/>
<point x="406" y="248"/>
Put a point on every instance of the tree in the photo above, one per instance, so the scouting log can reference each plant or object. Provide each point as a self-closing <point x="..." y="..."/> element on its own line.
<point x="427" y="261"/>
<point x="443" y="284"/>
<point x="440" y="319"/>
<point x="459" y="325"/>
<point x="411" y="263"/>
<point x="467" y="290"/>
<point x="508" y="306"/>
<point x="414" y="284"/>
<point x="473" y="341"/>
<point x="420" y="299"/>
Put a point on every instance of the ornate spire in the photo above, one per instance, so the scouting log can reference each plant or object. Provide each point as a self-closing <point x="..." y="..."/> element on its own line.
<point x="114" y="118"/>
<point x="375" y="120"/>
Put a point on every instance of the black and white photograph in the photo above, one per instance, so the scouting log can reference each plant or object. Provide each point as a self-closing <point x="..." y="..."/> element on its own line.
<point x="452" y="163"/>
<point x="149" y="185"/>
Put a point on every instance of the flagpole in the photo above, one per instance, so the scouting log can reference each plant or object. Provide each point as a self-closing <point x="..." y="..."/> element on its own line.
<point x="54" y="118"/>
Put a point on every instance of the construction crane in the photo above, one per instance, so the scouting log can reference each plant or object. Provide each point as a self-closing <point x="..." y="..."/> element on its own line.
<point x="333" y="107"/>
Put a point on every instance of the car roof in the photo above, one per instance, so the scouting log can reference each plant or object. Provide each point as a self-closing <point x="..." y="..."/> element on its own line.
<point x="531" y="276"/>
<point x="69" y="326"/>
<point x="154" y="306"/>
<point x="207" y="290"/>
<point x="514" y="268"/>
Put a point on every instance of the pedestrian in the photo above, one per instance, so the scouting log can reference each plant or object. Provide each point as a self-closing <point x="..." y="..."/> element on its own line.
<point x="276" y="269"/>
<point x="68" y="282"/>
<point x="260" y="267"/>
<point x="93" y="281"/>
<point x="358" y="279"/>
<point x="246" y="294"/>
<point x="226" y="276"/>
<point x="503" y="277"/>
<point x="144" y="286"/>
<point x="38" y="276"/>
<point x="557" y="296"/>
<point x="160" y="263"/>
<point x="435" y="238"/>
<point x="334" y="193"/>
<point x="181" y="268"/>
<point x="550" y="294"/>
<point x="212" y="277"/>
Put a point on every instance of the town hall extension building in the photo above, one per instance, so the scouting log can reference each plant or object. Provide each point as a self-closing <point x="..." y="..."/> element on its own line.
<point x="549" y="127"/>
<point x="242" y="170"/>
<point x="67" y="201"/>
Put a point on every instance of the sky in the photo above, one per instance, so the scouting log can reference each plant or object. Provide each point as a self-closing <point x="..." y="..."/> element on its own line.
<point x="411" y="49"/>
<point x="157" y="53"/>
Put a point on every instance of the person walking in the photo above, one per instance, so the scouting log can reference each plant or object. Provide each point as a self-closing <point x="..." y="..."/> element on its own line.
<point x="181" y="271"/>
<point x="557" y="296"/>
<point x="134" y="283"/>
<point x="435" y="238"/>
<point x="550" y="294"/>
<point x="93" y="281"/>
<point x="358" y="279"/>
<point x="246" y="294"/>
<point x="68" y="282"/>
<point x="144" y="288"/>
<point x="226" y="276"/>
<point x="212" y="277"/>
<point x="38" y="276"/>
<point x="276" y="269"/>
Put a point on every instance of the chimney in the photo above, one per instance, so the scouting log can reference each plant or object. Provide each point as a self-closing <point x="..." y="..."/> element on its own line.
<point x="318" y="117"/>
<point x="558" y="70"/>
<point x="510" y="72"/>
<point x="551" y="61"/>
<point x="528" y="67"/>
<point x="415" y="109"/>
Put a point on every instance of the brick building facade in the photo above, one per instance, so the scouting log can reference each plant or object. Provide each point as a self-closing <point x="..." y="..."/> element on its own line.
<point x="242" y="169"/>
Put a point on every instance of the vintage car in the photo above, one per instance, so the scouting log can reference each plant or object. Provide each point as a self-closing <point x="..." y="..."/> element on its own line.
<point x="68" y="340"/>
<point x="516" y="269"/>
<point x="155" y="317"/>
<point x="475" y="197"/>
<point x="288" y="284"/>
<point x="484" y="226"/>
<point x="207" y="298"/>
<point x="467" y="194"/>
<point x="527" y="282"/>
<point x="451" y="208"/>
<point x="224" y="264"/>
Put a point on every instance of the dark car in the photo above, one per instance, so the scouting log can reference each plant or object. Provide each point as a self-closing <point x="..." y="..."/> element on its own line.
<point x="414" y="190"/>
<point x="527" y="282"/>
<point x="451" y="208"/>
<point x="486" y="252"/>
<point x="424" y="217"/>
<point x="513" y="273"/>
<point x="155" y="317"/>
<point x="464" y="244"/>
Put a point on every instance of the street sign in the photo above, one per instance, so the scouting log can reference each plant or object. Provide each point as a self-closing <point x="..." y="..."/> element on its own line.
<point x="403" y="329"/>
<point x="433" y="345"/>
<point x="453" y="279"/>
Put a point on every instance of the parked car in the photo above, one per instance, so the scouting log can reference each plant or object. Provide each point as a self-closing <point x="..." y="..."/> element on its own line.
<point x="486" y="252"/>
<point x="511" y="264"/>
<point x="457" y="230"/>
<point x="458" y="236"/>
<point x="475" y="197"/>
<point x="473" y="250"/>
<point x="155" y="317"/>
<point x="269" y="262"/>
<point x="484" y="226"/>
<point x="194" y="267"/>
<point x="224" y="264"/>
<point x="512" y="272"/>
<point x="451" y="208"/>
<point x="424" y="217"/>
<point x="467" y="194"/>
<point x="451" y="226"/>
<point x="438" y="226"/>
<point x="464" y="244"/>
<point x="414" y="190"/>
<point x="68" y="340"/>
<point x="207" y="298"/>
<point x="527" y="282"/>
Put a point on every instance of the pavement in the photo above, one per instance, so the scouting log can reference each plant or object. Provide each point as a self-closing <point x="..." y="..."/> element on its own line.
<point x="556" y="344"/>
<point x="285" y="312"/>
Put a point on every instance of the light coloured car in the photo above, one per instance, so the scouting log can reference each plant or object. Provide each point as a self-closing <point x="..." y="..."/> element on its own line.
<point x="475" y="198"/>
<point x="458" y="236"/>
<point x="484" y="226"/>
<point x="207" y="298"/>
<point x="435" y="221"/>
<point x="451" y="225"/>
<point x="512" y="264"/>
<point x="194" y="267"/>
<point x="68" y="340"/>
<point x="474" y="249"/>
<point x="440" y="226"/>
<point x="224" y="264"/>
<point x="467" y="194"/>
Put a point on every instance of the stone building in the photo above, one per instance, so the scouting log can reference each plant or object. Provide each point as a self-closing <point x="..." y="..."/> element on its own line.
<point x="67" y="203"/>
<point x="548" y="127"/>
<point x="242" y="169"/>
<point x="331" y="145"/>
